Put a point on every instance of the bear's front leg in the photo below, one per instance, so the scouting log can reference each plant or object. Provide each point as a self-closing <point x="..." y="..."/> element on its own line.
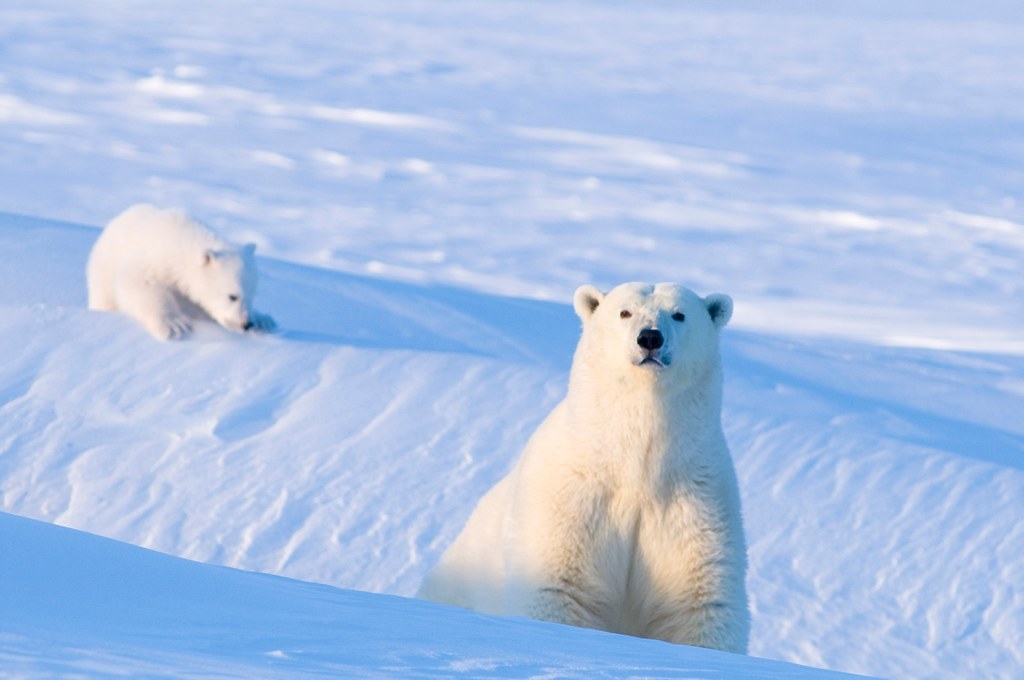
<point x="723" y="625"/>
<point x="564" y="602"/>
<point x="153" y="305"/>
<point x="555" y="573"/>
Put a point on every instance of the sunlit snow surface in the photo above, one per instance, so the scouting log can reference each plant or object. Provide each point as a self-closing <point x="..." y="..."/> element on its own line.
<point x="427" y="183"/>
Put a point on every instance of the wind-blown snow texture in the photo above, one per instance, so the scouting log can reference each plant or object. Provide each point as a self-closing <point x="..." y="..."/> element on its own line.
<point x="430" y="182"/>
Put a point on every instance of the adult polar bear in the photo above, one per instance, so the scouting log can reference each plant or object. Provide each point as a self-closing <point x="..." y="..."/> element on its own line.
<point x="164" y="268"/>
<point x="623" y="512"/>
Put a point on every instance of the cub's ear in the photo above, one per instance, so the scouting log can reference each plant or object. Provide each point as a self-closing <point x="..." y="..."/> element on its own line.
<point x="586" y="300"/>
<point x="248" y="249"/>
<point x="719" y="306"/>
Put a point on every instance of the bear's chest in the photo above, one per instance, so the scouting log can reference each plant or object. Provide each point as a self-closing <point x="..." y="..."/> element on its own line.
<point x="667" y="553"/>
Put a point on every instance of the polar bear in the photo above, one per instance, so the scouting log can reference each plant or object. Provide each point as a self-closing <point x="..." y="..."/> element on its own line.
<point x="165" y="269"/>
<point x="623" y="511"/>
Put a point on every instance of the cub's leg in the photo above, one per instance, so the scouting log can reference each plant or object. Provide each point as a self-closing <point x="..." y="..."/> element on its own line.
<point x="101" y="300"/>
<point x="153" y="305"/>
<point x="100" y="283"/>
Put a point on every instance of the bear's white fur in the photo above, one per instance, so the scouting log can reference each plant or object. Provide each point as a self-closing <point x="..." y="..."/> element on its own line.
<point x="623" y="512"/>
<point x="165" y="269"/>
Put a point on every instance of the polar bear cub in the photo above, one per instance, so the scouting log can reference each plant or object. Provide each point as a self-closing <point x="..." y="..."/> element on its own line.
<point x="165" y="269"/>
<point x="623" y="511"/>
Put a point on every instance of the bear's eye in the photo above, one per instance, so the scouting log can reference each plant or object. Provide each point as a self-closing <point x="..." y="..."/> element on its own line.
<point x="625" y="314"/>
<point x="678" y="316"/>
<point x="233" y="298"/>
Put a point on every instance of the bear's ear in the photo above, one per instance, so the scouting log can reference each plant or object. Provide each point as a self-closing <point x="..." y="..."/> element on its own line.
<point x="586" y="300"/>
<point x="719" y="306"/>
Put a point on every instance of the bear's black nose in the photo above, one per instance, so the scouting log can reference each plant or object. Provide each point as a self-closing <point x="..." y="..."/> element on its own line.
<point x="650" y="338"/>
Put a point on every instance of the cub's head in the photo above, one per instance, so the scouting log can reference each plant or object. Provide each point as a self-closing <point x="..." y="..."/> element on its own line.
<point x="664" y="330"/>
<point x="226" y="285"/>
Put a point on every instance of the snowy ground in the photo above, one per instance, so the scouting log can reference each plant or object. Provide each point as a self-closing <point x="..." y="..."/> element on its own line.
<point x="85" y="606"/>
<point x="428" y="182"/>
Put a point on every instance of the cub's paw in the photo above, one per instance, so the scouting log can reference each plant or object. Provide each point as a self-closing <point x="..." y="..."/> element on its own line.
<point x="261" y="323"/>
<point x="172" y="328"/>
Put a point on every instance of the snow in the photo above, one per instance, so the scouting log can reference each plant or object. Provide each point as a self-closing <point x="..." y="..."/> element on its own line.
<point x="89" y="606"/>
<point x="427" y="183"/>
